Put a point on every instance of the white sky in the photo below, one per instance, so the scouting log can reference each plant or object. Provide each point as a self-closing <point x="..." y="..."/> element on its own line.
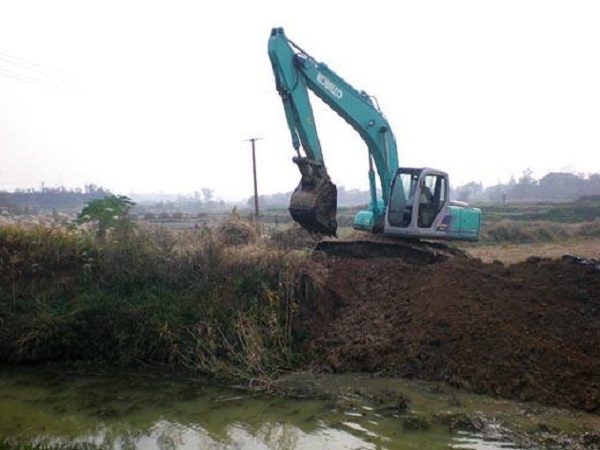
<point x="159" y="96"/>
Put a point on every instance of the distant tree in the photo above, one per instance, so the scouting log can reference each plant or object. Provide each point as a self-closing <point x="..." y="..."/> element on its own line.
<point x="5" y="200"/>
<point x="263" y="202"/>
<point x="526" y="188"/>
<point x="208" y="194"/>
<point x="527" y="178"/>
<point x="469" y="191"/>
<point x="110" y="212"/>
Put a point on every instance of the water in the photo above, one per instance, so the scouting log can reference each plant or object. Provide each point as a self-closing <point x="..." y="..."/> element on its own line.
<point x="136" y="410"/>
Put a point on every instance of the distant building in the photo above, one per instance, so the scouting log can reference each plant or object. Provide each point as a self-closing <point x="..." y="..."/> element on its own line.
<point x="561" y="186"/>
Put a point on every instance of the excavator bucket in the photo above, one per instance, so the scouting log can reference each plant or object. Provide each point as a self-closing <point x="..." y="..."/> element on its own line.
<point x="314" y="205"/>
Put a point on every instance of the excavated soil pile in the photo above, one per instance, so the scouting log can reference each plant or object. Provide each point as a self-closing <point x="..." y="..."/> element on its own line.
<point x="529" y="332"/>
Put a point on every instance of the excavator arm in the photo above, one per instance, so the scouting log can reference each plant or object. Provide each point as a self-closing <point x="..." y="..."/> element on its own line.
<point x="314" y="201"/>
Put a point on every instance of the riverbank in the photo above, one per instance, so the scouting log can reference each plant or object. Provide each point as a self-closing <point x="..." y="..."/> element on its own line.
<point x="421" y="405"/>
<point x="239" y="306"/>
<point x="220" y="301"/>
<point x="528" y="331"/>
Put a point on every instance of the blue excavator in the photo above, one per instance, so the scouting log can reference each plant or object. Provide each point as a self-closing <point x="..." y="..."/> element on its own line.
<point x="412" y="203"/>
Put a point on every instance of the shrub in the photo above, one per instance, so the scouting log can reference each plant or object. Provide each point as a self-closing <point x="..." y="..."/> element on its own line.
<point x="110" y="212"/>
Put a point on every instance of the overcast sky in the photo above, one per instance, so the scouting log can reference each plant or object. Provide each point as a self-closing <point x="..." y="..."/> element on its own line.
<point x="160" y="96"/>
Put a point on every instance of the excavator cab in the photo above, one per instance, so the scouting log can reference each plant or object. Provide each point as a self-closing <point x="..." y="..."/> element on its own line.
<point x="417" y="198"/>
<point x="420" y="207"/>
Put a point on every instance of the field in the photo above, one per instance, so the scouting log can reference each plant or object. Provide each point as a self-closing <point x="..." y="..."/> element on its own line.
<point x="510" y="253"/>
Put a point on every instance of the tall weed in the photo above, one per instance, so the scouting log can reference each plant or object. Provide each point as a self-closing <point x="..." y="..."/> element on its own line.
<point x="222" y="300"/>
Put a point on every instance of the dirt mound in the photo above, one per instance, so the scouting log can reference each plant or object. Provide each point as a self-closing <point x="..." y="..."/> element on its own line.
<point x="529" y="331"/>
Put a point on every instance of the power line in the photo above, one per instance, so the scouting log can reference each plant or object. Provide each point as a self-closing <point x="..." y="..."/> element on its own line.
<point x="31" y="66"/>
<point x="28" y="72"/>
<point x="20" y="77"/>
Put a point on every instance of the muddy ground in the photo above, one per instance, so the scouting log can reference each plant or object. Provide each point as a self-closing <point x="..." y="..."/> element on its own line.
<point x="528" y="331"/>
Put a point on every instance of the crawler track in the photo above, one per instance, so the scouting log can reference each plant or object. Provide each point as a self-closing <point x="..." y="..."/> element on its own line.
<point x="414" y="252"/>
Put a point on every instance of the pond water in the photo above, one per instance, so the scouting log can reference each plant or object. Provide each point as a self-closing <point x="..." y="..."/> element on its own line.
<point x="135" y="410"/>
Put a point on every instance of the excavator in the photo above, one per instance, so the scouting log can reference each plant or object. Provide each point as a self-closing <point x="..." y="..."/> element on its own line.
<point x="411" y="204"/>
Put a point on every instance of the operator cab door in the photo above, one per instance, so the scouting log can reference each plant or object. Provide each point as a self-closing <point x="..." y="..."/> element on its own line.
<point x="418" y="199"/>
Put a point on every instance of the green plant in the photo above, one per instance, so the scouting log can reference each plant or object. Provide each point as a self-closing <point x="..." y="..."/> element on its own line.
<point x="110" y="212"/>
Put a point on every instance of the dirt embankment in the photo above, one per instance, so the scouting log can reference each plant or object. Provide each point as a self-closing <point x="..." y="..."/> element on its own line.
<point x="529" y="331"/>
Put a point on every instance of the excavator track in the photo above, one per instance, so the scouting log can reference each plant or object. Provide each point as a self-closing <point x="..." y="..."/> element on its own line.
<point x="413" y="252"/>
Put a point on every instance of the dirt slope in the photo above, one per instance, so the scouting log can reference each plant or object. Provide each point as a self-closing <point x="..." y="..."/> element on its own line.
<point x="529" y="331"/>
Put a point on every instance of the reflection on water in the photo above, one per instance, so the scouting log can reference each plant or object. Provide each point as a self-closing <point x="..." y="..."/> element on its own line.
<point x="475" y="443"/>
<point x="143" y="411"/>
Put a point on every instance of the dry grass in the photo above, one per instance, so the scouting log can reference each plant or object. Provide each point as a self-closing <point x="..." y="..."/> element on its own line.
<point x="223" y="300"/>
<point x="236" y="230"/>
<point x="514" y="253"/>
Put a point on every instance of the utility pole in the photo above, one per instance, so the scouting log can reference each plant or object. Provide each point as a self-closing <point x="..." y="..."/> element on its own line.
<point x="253" y="140"/>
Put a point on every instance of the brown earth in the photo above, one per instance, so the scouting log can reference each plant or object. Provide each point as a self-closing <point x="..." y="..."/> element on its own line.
<point x="528" y="331"/>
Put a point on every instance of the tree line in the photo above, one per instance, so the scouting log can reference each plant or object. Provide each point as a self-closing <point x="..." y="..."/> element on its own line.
<point x="50" y="198"/>
<point x="554" y="186"/>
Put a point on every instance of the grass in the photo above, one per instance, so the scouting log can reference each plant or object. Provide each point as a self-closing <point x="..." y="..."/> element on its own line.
<point x="511" y="241"/>
<point x="223" y="301"/>
<point x="585" y="209"/>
